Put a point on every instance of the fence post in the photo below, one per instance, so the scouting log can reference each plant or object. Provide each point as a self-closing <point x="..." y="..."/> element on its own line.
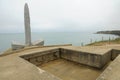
<point x="109" y="40"/>
<point x="82" y="44"/>
<point x="102" y="38"/>
<point x="90" y="40"/>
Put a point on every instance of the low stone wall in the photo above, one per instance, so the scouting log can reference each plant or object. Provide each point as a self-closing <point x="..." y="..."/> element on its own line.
<point x="90" y="59"/>
<point x="42" y="57"/>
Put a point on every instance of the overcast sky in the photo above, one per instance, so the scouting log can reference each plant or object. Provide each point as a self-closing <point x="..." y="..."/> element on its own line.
<point x="60" y="15"/>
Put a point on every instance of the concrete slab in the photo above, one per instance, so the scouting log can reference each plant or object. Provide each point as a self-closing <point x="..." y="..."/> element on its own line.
<point x="90" y="49"/>
<point x="112" y="71"/>
<point x="67" y="70"/>
<point x="12" y="67"/>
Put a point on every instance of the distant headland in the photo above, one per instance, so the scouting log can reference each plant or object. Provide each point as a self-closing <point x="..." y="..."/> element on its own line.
<point x="114" y="32"/>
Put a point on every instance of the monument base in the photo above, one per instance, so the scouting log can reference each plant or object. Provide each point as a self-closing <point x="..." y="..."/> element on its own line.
<point x="16" y="45"/>
<point x="38" y="43"/>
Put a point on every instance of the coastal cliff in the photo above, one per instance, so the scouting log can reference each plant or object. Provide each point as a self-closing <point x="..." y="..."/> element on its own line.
<point x="114" y="32"/>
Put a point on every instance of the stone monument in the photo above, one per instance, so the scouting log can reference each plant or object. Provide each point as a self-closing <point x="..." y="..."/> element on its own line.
<point x="27" y="26"/>
<point x="16" y="45"/>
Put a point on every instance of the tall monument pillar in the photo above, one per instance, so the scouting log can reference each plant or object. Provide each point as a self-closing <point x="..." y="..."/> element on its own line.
<point x="16" y="45"/>
<point x="27" y="26"/>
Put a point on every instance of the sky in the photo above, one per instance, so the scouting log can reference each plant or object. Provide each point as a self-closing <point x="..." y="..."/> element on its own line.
<point x="60" y="15"/>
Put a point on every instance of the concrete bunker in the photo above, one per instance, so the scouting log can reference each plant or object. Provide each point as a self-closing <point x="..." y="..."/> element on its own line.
<point x="71" y="64"/>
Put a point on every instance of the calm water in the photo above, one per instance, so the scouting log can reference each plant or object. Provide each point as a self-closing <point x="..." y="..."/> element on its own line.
<point x="51" y="38"/>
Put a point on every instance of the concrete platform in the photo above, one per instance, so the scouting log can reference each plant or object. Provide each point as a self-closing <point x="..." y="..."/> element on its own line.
<point x="12" y="67"/>
<point x="20" y="65"/>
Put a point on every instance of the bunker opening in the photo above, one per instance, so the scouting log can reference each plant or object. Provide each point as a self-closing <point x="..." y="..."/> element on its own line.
<point x="69" y="64"/>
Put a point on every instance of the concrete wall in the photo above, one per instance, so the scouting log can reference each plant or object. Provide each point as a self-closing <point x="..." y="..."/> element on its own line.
<point x="42" y="57"/>
<point x="114" y="54"/>
<point x="106" y="58"/>
<point x="112" y="71"/>
<point x="90" y="59"/>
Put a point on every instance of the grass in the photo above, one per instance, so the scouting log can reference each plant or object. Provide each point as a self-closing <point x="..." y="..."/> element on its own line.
<point x="105" y="42"/>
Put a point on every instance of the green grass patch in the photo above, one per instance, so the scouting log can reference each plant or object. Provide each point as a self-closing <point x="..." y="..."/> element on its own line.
<point x="105" y="42"/>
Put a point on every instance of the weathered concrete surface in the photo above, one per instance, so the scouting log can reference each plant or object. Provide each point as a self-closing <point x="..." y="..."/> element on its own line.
<point x="15" y="68"/>
<point x="91" y="59"/>
<point x="38" y="43"/>
<point x="17" y="46"/>
<point x="67" y="70"/>
<point x="115" y="53"/>
<point x="112" y="72"/>
<point x="42" y="57"/>
<point x="12" y="67"/>
<point x="91" y="49"/>
<point x="98" y="60"/>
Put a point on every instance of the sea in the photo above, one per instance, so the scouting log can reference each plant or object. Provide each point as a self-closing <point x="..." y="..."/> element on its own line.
<point x="53" y="38"/>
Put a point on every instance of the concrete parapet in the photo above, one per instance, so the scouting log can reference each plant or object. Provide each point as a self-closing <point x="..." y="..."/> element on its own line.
<point x="94" y="60"/>
<point x="112" y="71"/>
<point x="114" y="54"/>
<point x="86" y="58"/>
<point x="29" y="48"/>
<point x="42" y="57"/>
<point x="106" y="58"/>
